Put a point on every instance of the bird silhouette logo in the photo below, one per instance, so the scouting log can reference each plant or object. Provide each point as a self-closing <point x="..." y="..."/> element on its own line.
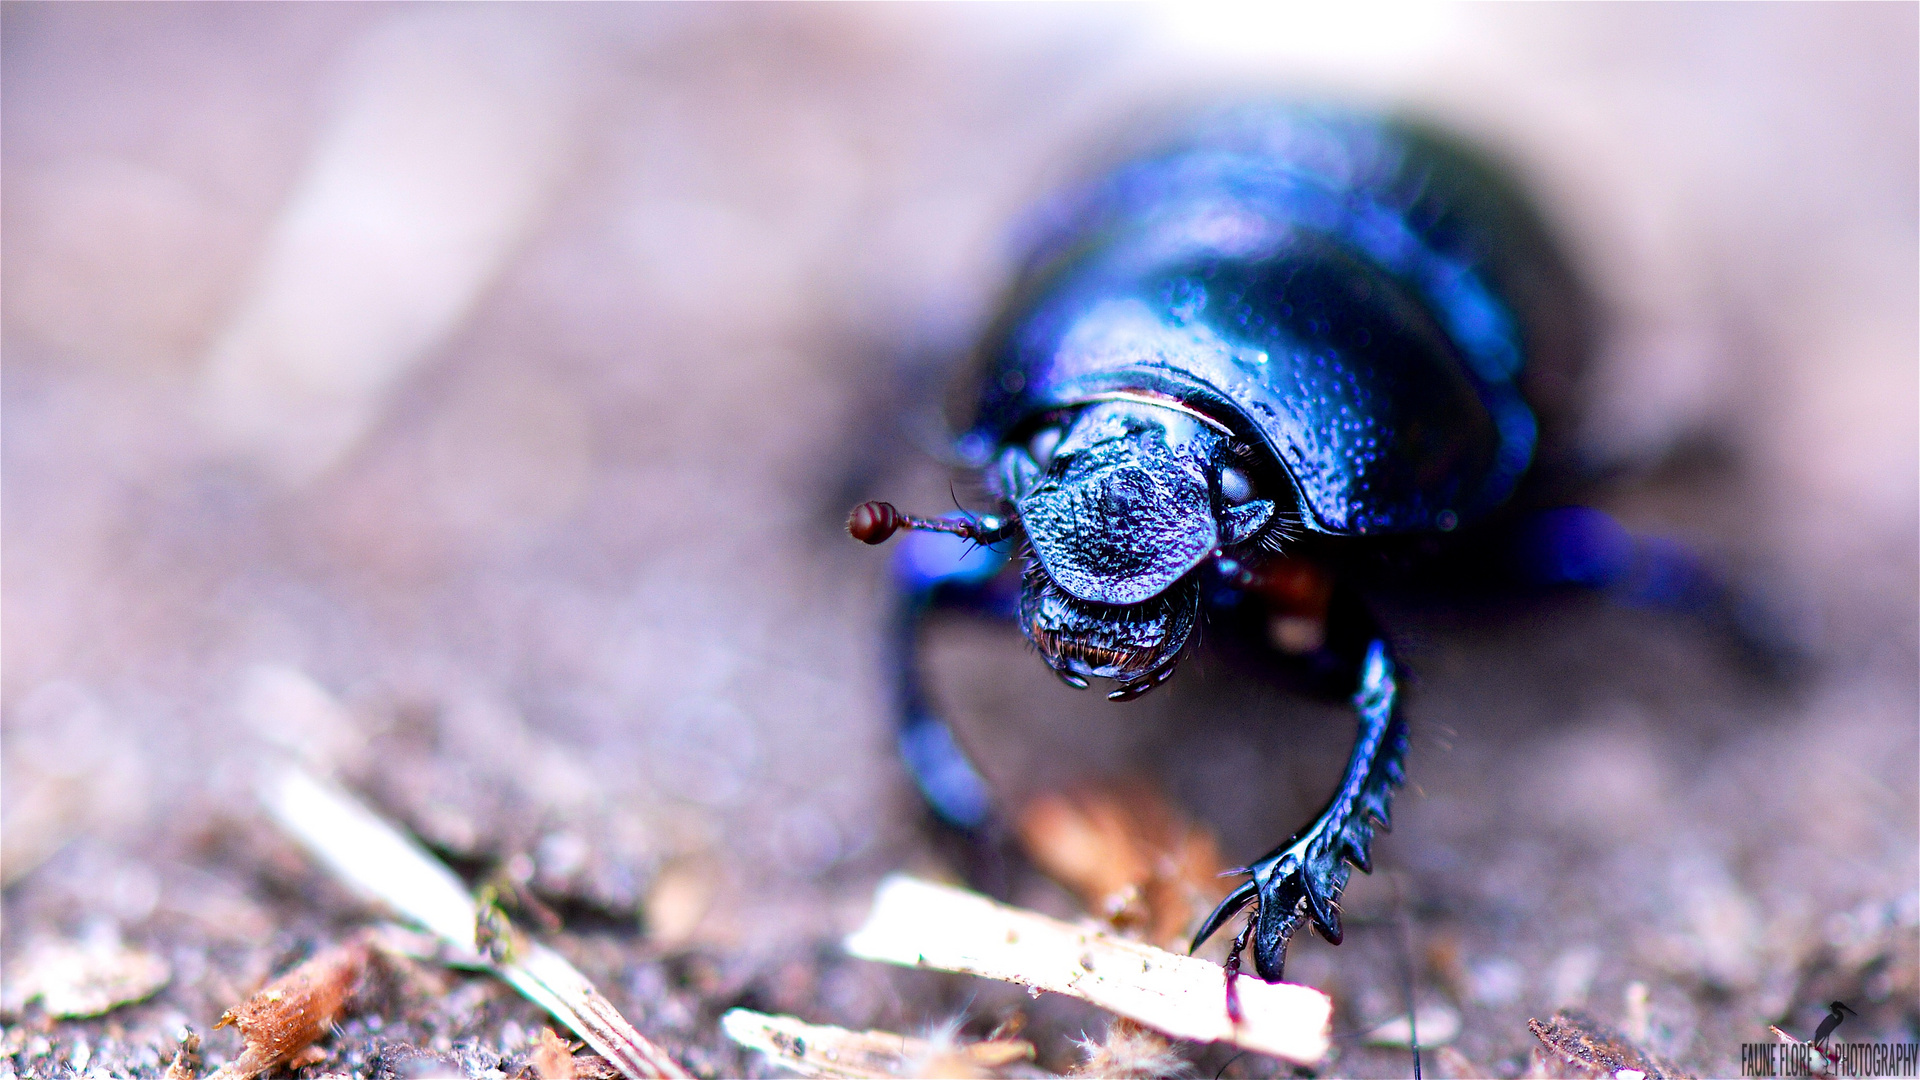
<point x="1834" y="1020"/>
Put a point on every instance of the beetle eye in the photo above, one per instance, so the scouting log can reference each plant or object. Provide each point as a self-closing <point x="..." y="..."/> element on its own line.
<point x="1235" y="486"/>
<point x="1016" y="474"/>
<point x="1042" y="445"/>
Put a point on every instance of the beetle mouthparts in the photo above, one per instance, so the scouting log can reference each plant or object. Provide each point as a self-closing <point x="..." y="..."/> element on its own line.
<point x="1136" y="645"/>
<point x="1064" y="649"/>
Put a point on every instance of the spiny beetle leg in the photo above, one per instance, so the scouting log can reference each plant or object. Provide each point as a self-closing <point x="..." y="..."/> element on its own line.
<point x="1304" y="878"/>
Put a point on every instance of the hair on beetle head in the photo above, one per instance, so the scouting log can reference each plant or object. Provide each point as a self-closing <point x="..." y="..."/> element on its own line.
<point x="1286" y="527"/>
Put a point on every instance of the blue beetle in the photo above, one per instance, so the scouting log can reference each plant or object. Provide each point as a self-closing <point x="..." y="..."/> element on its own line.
<point x="1233" y="376"/>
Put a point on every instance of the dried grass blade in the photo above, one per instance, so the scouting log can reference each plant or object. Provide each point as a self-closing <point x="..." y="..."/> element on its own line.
<point x="384" y="863"/>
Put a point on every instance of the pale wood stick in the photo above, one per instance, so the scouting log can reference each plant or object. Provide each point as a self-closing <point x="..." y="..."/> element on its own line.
<point x="826" y="1051"/>
<point x="921" y="924"/>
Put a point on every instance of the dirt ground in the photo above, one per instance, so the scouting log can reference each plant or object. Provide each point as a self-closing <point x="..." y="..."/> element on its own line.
<point x="467" y="400"/>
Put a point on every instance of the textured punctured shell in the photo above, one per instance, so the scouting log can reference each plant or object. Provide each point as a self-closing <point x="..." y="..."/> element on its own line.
<point x="1334" y="288"/>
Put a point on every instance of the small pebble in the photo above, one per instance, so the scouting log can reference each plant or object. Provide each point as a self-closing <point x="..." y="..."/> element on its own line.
<point x="1439" y="1025"/>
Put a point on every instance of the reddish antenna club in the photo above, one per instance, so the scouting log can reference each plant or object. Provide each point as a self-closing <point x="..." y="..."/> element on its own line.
<point x="872" y="522"/>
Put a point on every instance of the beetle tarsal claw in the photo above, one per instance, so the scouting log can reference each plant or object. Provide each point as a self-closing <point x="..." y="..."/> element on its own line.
<point x="1242" y="895"/>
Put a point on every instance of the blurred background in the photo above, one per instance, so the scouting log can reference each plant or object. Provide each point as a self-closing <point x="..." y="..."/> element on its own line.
<point x="468" y="399"/>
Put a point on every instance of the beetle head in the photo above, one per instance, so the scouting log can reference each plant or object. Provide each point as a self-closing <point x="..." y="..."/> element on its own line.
<point x="1120" y="507"/>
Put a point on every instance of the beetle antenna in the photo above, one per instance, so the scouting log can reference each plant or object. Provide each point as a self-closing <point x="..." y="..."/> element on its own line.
<point x="971" y="517"/>
<point x="873" y="522"/>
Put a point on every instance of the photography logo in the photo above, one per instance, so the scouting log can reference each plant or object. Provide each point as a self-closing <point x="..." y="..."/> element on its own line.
<point x="1820" y="1056"/>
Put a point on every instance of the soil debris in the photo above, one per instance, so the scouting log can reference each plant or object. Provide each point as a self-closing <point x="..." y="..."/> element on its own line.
<point x="73" y="979"/>
<point x="552" y="1059"/>
<point x="1451" y="1064"/>
<point x="681" y="896"/>
<point x="186" y="1060"/>
<point x="555" y="1058"/>
<point x="1438" y="1025"/>
<point x="402" y="1061"/>
<point x="825" y="1051"/>
<point x="282" y="1022"/>
<point x="367" y="852"/>
<point x="1592" y="1049"/>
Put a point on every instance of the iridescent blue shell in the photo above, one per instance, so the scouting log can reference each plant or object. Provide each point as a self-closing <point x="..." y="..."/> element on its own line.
<point x="1338" y="289"/>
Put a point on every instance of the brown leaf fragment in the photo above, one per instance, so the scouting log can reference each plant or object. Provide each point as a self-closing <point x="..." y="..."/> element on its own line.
<point x="1594" y="1049"/>
<point x="552" y="1059"/>
<point x="281" y="1023"/>
<point x="1130" y="856"/>
<point x="555" y="1059"/>
<point x="186" y="1060"/>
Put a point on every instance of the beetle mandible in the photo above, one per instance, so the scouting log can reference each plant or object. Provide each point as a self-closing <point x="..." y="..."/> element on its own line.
<point x="1233" y="374"/>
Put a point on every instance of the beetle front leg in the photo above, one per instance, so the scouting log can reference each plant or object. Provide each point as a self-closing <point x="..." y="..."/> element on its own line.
<point x="952" y="787"/>
<point x="935" y="571"/>
<point x="1303" y="878"/>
